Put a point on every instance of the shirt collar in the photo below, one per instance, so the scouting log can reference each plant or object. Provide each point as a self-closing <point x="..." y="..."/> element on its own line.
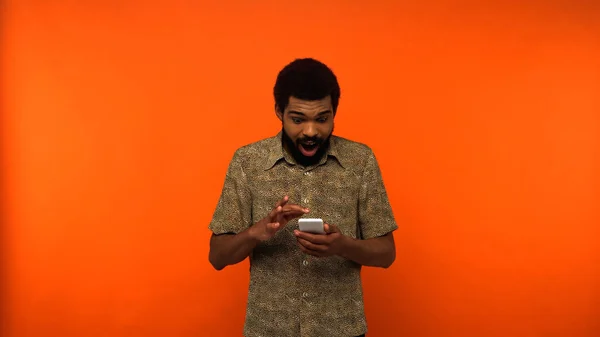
<point x="276" y="152"/>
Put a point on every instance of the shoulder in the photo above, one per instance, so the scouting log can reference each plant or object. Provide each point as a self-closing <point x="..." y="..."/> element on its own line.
<point x="255" y="153"/>
<point x="353" y="153"/>
<point x="346" y="145"/>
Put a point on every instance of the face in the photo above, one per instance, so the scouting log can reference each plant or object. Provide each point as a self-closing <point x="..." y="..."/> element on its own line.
<point x="307" y="127"/>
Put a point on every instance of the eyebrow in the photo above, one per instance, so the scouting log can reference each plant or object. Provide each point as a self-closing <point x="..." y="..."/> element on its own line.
<point x="301" y="114"/>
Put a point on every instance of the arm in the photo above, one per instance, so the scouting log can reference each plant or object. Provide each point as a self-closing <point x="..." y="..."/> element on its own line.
<point x="229" y="249"/>
<point x="375" y="245"/>
<point x="230" y="242"/>
<point x="375" y="252"/>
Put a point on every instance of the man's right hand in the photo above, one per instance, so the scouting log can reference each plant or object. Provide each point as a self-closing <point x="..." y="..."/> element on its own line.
<point x="276" y="219"/>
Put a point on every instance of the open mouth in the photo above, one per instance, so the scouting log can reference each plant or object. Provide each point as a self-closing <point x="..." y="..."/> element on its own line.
<point x="309" y="149"/>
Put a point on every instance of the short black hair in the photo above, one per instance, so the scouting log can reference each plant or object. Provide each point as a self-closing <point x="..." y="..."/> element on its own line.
<point x="306" y="79"/>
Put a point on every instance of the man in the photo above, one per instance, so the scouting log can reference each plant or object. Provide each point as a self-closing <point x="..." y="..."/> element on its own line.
<point x="304" y="284"/>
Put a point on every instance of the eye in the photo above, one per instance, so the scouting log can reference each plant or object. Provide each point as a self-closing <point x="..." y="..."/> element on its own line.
<point x="296" y="120"/>
<point x="322" y="120"/>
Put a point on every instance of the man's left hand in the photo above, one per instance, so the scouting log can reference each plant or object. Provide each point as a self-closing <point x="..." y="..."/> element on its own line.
<point x="322" y="245"/>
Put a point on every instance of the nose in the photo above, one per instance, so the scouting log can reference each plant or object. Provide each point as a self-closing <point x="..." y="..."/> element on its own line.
<point x="309" y="130"/>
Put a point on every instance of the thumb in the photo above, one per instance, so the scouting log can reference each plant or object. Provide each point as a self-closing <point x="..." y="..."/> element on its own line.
<point x="331" y="229"/>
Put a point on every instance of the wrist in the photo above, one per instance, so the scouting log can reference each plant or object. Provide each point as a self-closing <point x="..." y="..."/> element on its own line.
<point x="346" y="244"/>
<point x="252" y="234"/>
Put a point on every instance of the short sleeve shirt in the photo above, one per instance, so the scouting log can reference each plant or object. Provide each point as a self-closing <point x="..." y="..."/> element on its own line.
<point x="291" y="293"/>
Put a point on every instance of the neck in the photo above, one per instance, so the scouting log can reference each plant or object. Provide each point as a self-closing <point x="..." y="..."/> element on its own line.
<point x="294" y="152"/>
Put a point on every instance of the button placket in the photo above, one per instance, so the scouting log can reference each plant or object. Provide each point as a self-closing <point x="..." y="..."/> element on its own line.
<point x="305" y="199"/>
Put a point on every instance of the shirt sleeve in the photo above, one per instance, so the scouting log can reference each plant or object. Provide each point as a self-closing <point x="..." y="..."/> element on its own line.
<point x="233" y="213"/>
<point x="374" y="211"/>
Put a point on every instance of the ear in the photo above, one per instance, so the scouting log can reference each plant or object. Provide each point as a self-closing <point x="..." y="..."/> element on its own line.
<point x="279" y="113"/>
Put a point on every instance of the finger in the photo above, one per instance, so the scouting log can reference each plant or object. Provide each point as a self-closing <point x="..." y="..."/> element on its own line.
<point x="311" y="252"/>
<point x="273" y="227"/>
<point x="331" y="228"/>
<point x="275" y="211"/>
<point x="292" y="214"/>
<point x="282" y="201"/>
<point x="311" y="246"/>
<point x="294" y="210"/>
<point x="314" y="238"/>
<point x="293" y="207"/>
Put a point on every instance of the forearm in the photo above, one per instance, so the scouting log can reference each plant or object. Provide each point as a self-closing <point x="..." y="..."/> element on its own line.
<point x="228" y="249"/>
<point x="375" y="252"/>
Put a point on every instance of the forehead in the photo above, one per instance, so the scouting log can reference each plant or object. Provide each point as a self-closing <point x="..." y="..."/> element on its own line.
<point x="309" y="107"/>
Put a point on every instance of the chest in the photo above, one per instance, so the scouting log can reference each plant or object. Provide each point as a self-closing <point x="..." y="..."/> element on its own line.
<point x="329" y="191"/>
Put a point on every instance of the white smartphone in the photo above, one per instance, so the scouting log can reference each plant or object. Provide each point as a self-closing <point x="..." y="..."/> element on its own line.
<point x="309" y="225"/>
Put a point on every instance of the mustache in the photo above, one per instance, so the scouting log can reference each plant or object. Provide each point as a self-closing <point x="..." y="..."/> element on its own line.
<point x="313" y="140"/>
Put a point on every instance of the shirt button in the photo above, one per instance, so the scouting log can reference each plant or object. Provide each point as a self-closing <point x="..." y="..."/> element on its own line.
<point x="305" y="263"/>
<point x="305" y="295"/>
<point x="307" y="173"/>
<point x="305" y="200"/>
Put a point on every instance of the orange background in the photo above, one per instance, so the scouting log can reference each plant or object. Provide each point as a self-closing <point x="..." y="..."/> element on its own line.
<point x="119" y="119"/>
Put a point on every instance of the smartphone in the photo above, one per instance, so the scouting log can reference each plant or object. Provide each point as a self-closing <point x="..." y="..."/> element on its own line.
<point x="309" y="225"/>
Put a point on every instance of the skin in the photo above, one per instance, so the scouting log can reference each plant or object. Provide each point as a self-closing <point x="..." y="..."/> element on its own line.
<point x="229" y="249"/>
<point x="302" y="120"/>
<point x="305" y="121"/>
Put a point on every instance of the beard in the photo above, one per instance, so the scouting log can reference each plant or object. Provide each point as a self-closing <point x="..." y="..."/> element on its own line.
<point x="294" y="148"/>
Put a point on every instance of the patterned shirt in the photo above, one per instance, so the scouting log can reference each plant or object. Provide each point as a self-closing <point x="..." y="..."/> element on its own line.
<point x="292" y="293"/>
